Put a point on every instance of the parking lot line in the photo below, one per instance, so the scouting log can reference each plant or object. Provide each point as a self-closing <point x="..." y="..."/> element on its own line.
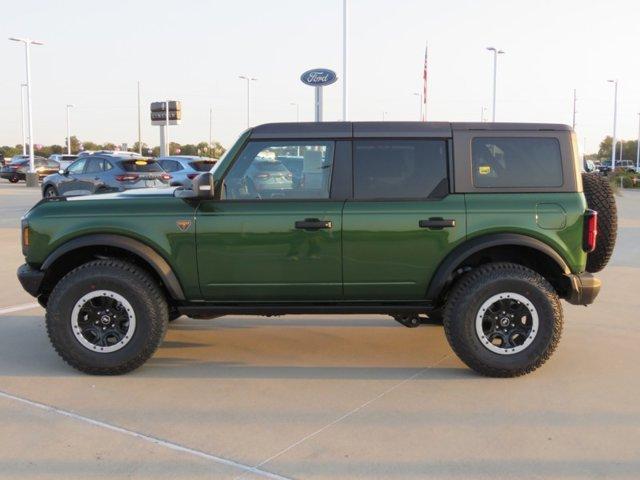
<point x="18" y="308"/>
<point x="350" y="412"/>
<point x="157" y="441"/>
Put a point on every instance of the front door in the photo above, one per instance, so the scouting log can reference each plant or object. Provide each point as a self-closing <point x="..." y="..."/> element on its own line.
<point x="272" y="235"/>
<point x="73" y="182"/>
<point x="402" y="220"/>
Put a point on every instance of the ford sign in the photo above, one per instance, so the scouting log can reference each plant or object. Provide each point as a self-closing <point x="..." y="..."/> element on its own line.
<point x="319" y="77"/>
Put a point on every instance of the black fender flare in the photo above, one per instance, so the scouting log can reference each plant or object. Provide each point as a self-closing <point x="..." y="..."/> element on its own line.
<point x="142" y="250"/>
<point x="463" y="251"/>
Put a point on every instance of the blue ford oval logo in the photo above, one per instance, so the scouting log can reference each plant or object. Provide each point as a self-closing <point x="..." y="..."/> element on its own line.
<point x="319" y="77"/>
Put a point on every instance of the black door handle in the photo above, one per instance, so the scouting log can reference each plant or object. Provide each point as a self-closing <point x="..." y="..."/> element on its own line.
<point x="313" y="224"/>
<point x="437" y="223"/>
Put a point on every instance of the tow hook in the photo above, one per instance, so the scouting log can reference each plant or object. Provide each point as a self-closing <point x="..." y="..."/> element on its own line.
<point x="409" y="320"/>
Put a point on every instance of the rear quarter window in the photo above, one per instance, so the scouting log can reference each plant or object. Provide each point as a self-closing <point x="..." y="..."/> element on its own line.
<point x="512" y="162"/>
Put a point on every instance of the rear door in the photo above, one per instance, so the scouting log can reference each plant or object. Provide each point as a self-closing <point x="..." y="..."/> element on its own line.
<point x="267" y="238"/>
<point x="94" y="172"/>
<point x="402" y="221"/>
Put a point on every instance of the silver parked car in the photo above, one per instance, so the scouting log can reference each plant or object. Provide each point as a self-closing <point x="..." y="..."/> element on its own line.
<point x="184" y="168"/>
<point x="63" y="159"/>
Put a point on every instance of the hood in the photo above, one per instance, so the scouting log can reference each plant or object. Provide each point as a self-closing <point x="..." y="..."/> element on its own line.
<point x="128" y="194"/>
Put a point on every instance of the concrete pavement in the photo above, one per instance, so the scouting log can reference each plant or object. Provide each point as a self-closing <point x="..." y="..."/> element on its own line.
<point x="324" y="396"/>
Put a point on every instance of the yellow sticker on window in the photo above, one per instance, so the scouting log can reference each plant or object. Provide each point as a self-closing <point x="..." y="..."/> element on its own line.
<point x="484" y="169"/>
<point x="141" y="162"/>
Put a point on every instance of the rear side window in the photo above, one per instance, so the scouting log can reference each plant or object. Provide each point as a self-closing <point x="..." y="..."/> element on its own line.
<point x="94" y="165"/>
<point x="510" y="162"/>
<point x="399" y="169"/>
<point x="141" y="166"/>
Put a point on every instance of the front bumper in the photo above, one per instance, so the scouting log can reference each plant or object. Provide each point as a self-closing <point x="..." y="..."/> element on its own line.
<point x="584" y="288"/>
<point x="30" y="278"/>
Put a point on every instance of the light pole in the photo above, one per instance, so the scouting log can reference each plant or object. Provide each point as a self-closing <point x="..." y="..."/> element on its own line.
<point x="248" y="80"/>
<point x="32" y="177"/>
<point x="211" y="131"/>
<point x="294" y="104"/>
<point x="139" y="123"/>
<point x="419" y="95"/>
<point x="621" y="150"/>
<point x="638" y="148"/>
<point x="615" y="121"/>
<point x="575" y="99"/>
<point x="384" y="116"/>
<point x="344" y="60"/>
<point x="69" y="106"/>
<point x="23" y="118"/>
<point x="483" y="111"/>
<point x="496" y="52"/>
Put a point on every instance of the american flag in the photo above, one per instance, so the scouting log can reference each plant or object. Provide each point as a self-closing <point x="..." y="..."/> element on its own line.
<point x="424" y="87"/>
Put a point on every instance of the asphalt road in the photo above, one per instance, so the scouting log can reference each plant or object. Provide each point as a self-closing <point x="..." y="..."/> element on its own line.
<point x="323" y="396"/>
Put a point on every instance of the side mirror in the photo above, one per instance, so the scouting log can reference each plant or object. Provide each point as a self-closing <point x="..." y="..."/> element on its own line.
<point x="203" y="185"/>
<point x="62" y="171"/>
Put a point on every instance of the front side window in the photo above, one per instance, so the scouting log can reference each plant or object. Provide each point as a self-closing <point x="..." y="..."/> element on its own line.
<point x="399" y="169"/>
<point x="77" y="167"/>
<point x="510" y="162"/>
<point x="260" y="171"/>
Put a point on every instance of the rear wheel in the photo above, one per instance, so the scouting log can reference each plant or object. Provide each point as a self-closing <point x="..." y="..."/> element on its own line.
<point x="14" y="179"/>
<point x="106" y="317"/>
<point x="503" y="320"/>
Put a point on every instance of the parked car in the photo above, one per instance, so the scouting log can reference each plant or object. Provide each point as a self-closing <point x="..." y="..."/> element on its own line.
<point x="17" y="169"/>
<point x="184" y="168"/>
<point x="488" y="225"/>
<point x="605" y="167"/>
<point x="589" y="166"/>
<point x="63" y="160"/>
<point x="104" y="173"/>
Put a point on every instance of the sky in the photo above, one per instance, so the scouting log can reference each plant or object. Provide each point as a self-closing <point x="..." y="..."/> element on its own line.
<point x="193" y="51"/>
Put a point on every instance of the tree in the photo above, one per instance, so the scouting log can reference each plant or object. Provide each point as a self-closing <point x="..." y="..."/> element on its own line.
<point x="629" y="149"/>
<point x="134" y="148"/>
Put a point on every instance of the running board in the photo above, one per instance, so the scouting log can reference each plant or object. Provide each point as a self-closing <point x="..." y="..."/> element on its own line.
<point x="282" y="309"/>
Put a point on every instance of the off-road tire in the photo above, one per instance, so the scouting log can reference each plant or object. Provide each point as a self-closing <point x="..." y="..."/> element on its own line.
<point x="600" y="198"/>
<point x="465" y="300"/>
<point x="137" y="287"/>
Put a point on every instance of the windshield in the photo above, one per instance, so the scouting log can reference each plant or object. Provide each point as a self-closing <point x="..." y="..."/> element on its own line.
<point x="203" y="165"/>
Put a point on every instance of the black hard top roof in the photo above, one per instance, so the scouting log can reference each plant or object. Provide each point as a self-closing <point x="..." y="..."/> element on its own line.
<point x="389" y="129"/>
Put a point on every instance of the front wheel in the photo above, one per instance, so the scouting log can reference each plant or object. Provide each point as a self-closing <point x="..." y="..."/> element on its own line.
<point x="503" y="320"/>
<point x="106" y="317"/>
<point x="14" y="179"/>
<point x="50" y="192"/>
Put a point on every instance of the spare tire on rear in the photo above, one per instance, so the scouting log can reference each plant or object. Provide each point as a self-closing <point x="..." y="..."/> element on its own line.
<point x="599" y="195"/>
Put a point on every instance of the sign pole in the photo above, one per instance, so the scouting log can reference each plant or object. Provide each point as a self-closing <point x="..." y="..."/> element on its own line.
<point x="318" y="78"/>
<point x="318" y="108"/>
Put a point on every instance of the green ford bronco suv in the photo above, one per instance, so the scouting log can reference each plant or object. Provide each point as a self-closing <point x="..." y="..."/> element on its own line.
<point x="483" y="226"/>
